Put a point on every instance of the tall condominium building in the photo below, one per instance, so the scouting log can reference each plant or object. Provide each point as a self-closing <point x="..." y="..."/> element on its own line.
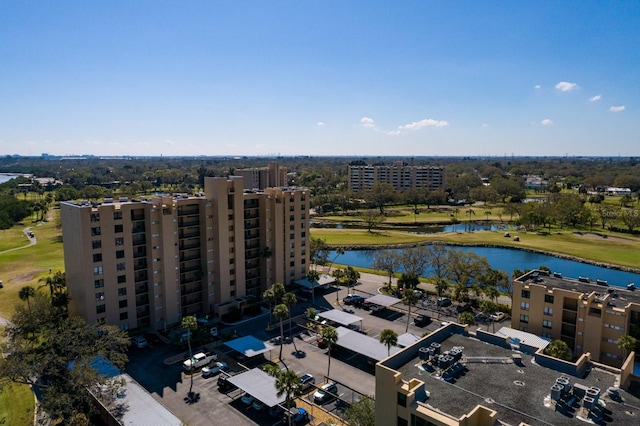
<point x="274" y="175"/>
<point x="589" y="317"/>
<point x="147" y="263"/>
<point x="398" y="175"/>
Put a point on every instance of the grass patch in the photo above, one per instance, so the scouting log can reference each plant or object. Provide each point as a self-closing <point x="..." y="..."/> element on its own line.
<point x="13" y="237"/>
<point x="16" y="405"/>
<point x="345" y="237"/>
<point x="26" y="266"/>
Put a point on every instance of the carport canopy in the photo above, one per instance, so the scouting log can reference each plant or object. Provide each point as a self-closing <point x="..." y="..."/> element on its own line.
<point x="259" y="385"/>
<point x="249" y="346"/>
<point x="323" y="281"/>
<point x="340" y="317"/>
<point x="407" y="339"/>
<point x="383" y="300"/>
<point x="363" y="344"/>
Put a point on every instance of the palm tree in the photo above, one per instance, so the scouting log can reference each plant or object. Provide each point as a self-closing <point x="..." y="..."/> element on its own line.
<point x="56" y="282"/>
<point x="281" y="312"/>
<point x="289" y="299"/>
<point x="627" y="344"/>
<point x="409" y="298"/>
<point x="489" y="308"/>
<point x="313" y="276"/>
<point x="189" y="323"/>
<point x="466" y="318"/>
<point x="287" y="383"/>
<point x="558" y="349"/>
<point x="487" y="213"/>
<point x="270" y="297"/>
<point x="25" y="293"/>
<point x="339" y="251"/>
<point x="338" y="274"/>
<point x="389" y="338"/>
<point x="329" y="336"/>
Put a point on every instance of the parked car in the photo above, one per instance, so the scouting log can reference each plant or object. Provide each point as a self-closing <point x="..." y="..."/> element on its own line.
<point x="321" y="343"/>
<point x="443" y="302"/>
<point x="498" y="316"/>
<point x="246" y="399"/>
<point x="258" y="405"/>
<point x="353" y="299"/>
<point x="306" y="381"/>
<point x="139" y="342"/>
<point x="326" y="393"/>
<point x="224" y="385"/>
<point x="298" y="415"/>
<point x="198" y="360"/>
<point x="213" y="369"/>
<point x="422" y="320"/>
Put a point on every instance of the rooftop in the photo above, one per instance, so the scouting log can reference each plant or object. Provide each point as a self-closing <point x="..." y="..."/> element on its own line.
<point x="518" y="389"/>
<point x="618" y="296"/>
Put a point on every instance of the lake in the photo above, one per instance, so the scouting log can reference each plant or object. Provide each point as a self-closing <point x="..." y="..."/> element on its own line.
<point x="510" y="259"/>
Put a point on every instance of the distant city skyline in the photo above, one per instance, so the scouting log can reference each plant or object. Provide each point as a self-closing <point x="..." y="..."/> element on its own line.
<point x="255" y="78"/>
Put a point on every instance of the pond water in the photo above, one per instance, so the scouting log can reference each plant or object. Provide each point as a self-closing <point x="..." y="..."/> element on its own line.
<point x="426" y="229"/>
<point x="510" y="259"/>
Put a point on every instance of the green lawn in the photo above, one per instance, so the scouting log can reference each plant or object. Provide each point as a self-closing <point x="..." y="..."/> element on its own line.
<point x="13" y="237"/>
<point x="615" y="249"/>
<point x="16" y="406"/>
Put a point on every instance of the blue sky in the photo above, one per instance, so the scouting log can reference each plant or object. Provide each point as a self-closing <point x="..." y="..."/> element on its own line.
<point x="409" y="78"/>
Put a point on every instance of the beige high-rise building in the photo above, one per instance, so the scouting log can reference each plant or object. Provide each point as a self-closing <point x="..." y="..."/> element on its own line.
<point x="147" y="263"/>
<point x="272" y="176"/>
<point x="401" y="177"/>
<point x="588" y="316"/>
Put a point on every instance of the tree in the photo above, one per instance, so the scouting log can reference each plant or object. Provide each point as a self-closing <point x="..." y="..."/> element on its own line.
<point x="350" y="277"/>
<point x="373" y="219"/>
<point x="339" y="252"/>
<point x="56" y="282"/>
<point x="627" y="344"/>
<point x="289" y="299"/>
<point x="190" y="324"/>
<point x="386" y="260"/>
<point x="389" y="338"/>
<point x="414" y="260"/>
<point x="311" y="313"/>
<point x="361" y="413"/>
<point x="318" y="251"/>
<point x="25" y="293"/>
<point x="287" y="383"/>
<point x="558" y="349"/>
<point x="379" y="195"/>
<point x="466" y="318"/>
<point x="488" y="308"/>
<point x="313" y="276"/>
<point x="281" y="312"/>
<point x="631" y="219"/>
<point x="270" y="296"/>
<point x="61" y="362"/>
<point x="329" y="336"/>
<point x="409" y="298"/>
<point x="414" y="196"/>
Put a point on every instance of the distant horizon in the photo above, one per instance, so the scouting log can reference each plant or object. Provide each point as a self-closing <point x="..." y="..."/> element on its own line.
<point x="332" y="78"/>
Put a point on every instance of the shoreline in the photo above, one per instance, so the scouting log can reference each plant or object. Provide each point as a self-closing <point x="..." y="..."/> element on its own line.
<point x="505" y="246"/>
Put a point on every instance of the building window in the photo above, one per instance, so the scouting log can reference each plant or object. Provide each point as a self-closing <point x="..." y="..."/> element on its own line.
<point x="524" y="306"/>
<point x="97" y="257"/>
<point x="122" y="279"/>
<point x="548" y="298"/>
<point x="546" y="323"/>
<point x="291" y="217"/>
<point x="117" y="215"/>
<point x="122" y="291"/>
<point x="97" y="270"/>
<point x="120" y="266"/>
<point x="122" y="303"/>
<point x="95" y="217"/>
<point x="303" y="235"/>
<point x="95" y="231"/>
<point x="98" y="283"/>
<point x="291" y="236"/>
<point x="118" y="229"/>
<point x="99" y="296"/>
<point x="100" y="309"/>
<point x="547" y="336"/>
<point x="292" y="263"/>
<point x="119" y="241"/>
<point x="595" y="311"/>
<point x="524" y="318"/>
<point x="548" y="311"/>
<point x="119" y="254"/>
<point x="526" y="294"/>
<point x="96" y="244"/>
<point x="124" y="316"/>
<point x="402" y="399"/>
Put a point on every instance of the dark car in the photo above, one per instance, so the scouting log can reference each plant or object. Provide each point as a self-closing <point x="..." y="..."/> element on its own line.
<point x="224" y="385"/>
<point x="353" y="299"/>
<point x="443" y="302"/>
<point x="422" y="320"/>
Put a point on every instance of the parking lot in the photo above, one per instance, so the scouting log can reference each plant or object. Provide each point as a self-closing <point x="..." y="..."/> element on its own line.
<point x="169" y="384"/>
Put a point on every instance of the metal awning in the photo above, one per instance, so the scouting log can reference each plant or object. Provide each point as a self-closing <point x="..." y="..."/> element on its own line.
<point x="363" y="344"/>
<point x="383" y="300"/>
<point x="407" y="339"/>
<point x="340" y="317"/>
<point x="249" y="346"/>
<point x="523" y="337"/>
<point x="259" y="385"/>
<point x="323" y="281"/>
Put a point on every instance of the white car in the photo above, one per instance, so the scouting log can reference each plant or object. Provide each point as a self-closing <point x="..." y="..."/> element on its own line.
<point x="213" y="369"/>
<point x="498" y="316"/>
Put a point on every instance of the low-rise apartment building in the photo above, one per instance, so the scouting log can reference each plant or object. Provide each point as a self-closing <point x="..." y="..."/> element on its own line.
<point x="274" y="175"/>
<point x="401" y="177"/>
<point x="146" y="263"/>
<point x="588" y="316"/>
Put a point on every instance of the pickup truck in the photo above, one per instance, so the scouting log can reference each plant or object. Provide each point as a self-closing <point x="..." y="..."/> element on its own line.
<point x="199" y="360"/>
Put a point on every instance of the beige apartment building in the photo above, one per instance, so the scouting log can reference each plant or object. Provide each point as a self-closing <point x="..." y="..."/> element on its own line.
<point x="147" y="263"/>
<point x="274" y="175"/>
<point x="401" y="177"/>
<point x="589" y="316"/>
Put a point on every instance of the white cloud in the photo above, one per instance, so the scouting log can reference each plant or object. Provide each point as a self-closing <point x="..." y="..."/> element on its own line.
<point x="367" y="122"/>
<point x="485" y="125"/>
<point x="617" y="108"/>
<point x="595" y="98"/>
<point x="320" y="123"/>
<point x="427" y="122"/>
<point x="169" y="142"/>
<point x="537" y="86"/>
<point x="564" y="86"/>
<point x="547" y="122"/>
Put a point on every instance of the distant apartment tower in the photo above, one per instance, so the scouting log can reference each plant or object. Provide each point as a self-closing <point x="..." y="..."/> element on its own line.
<point x="588" y="316"/>
<point x="400" y="176"/>
<point x="272" y="176"/>
<point x="148" y="263"/>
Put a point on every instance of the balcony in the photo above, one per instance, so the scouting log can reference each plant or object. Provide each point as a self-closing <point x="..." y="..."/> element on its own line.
<point x="138" y="227"/>
<point x="569" y="317"/>
<point x="188" y="245"/>
<point x="142" y="312"/>
<point x="140" y="276"/>
<point x="191" y="255"/>
<point x="184" y="222"/>
<point x="570" y="305"/>
<point x="139" y="252"/>
<point x="142" y="300"/>
<point x="188" y="210"/>
<point x="139" y="240"/>
<point x="140" y="264"/>
<point x="188" y="233"/>
<point x="142" y="288"/>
